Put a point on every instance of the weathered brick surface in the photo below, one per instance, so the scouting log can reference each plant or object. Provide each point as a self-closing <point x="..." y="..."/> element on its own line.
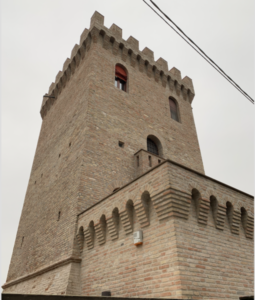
<point x="58" y="281"/>
<point x="194" y="246"/>
<point x="54" y="181"/>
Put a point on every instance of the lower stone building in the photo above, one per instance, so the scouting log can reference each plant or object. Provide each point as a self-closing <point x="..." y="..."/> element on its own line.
<point x="118" y="158"/>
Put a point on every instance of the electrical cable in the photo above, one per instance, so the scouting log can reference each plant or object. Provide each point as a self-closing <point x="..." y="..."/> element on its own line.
<point x="199" y="51"/>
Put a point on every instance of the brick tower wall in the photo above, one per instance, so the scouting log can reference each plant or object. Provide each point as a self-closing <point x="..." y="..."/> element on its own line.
<point x="54" y="181"/>
<point x="130" y="117"/>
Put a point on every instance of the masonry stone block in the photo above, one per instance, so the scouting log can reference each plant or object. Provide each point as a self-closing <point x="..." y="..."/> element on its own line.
<point x="84" y="35"/>
<point x="176" y="73"/>
<point x="148" y="52"/>
<point x="60" y="73"/>
<point x="97" y="18"/>
<point x="51" y="88"/>
<point x="163" y="64"/>
<point x="134" y="43"/>
<point x="66" y="64"/>
<point x="74" y="51"/>
<point x="116" y="30"/>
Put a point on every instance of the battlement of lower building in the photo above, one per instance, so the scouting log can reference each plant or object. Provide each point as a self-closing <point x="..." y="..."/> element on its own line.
<point x="112" y="39"/>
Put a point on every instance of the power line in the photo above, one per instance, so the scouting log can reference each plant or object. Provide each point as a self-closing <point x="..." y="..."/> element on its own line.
<point x="199" y="50"/>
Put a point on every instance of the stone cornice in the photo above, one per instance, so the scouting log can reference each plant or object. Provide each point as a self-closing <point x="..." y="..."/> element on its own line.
<point x="43" y="270"/>
<point x="112" y="40"/>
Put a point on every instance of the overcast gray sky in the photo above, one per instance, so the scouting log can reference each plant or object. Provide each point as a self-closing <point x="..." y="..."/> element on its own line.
<point x="38" y="36"/>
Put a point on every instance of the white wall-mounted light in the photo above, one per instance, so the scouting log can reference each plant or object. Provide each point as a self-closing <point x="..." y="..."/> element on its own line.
<point x="138" y="237"/>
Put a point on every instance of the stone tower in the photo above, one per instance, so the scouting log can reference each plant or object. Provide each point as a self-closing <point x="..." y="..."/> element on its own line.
<point x="118" y="152"/>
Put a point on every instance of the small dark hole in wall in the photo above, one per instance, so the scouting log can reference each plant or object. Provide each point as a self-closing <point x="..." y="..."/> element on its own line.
<point x="137" y="160"/>
<point x="70" y="144"/>
<point x="35" y="182"/>
<point x="59" y="214"/>
<point x="159" y="161"/>
<point x="121" y="144"/>
<point x="41" y="175"/>
<point x="59" y="155"/>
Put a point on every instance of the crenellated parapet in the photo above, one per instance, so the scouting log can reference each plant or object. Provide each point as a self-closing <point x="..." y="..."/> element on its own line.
<point x="129" y="52"/>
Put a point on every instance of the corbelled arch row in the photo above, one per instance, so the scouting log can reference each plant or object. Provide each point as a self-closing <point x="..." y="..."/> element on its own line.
<point x="169" y="202"/>
<point x="221" y="207"/>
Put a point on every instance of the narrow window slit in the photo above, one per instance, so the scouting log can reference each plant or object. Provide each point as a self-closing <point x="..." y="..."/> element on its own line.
<point x="149" y="161"/>
<point x="137" y="161"/>
<point x="22" y="241"/>
<point x="174" y="109"/>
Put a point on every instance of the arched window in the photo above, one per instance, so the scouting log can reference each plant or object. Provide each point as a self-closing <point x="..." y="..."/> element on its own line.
<point x="120" y="78"/>
<point x="151" y="146"/>
<point x="174" y="109"/>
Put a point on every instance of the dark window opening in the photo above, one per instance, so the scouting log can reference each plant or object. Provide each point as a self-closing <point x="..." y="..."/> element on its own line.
<point x="121" y="144"/>
<point x="59" y="215"/>
<point x="173" y="109"/>
<point x="120" y="84"/>
<point x="137" y="161"/>
<point x="120" y="78"/>
<point x="70" y="144"/>
<point x="159" y="161"/>
<point x="152" y="147"/>
<point x="59" y="155"/>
